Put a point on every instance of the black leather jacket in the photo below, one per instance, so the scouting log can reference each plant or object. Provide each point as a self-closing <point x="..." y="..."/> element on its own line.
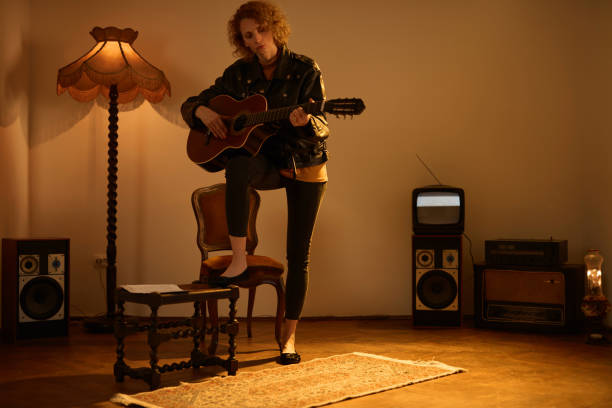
<point x="296" y="79"/>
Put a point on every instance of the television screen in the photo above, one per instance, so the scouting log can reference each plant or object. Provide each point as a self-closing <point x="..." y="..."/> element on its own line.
<point x="438" y="208"/>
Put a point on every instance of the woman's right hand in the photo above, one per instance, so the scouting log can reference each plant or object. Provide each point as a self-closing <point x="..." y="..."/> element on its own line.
<point x="212" y="120"/>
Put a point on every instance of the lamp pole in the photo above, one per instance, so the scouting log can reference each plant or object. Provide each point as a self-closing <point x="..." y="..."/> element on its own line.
<point x="111" y="219"/>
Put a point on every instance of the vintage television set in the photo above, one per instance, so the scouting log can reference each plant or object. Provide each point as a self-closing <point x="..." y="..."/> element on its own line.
<point x="438" y="210"/>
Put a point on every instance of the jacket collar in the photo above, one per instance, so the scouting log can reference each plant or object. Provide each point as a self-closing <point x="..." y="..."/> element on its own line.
<point x="283" y="67"/>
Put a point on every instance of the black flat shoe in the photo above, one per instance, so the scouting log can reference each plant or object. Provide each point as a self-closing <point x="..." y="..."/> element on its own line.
<point x="289" y="358"/>
<point x="219" y="281"/>
<point x="224" y="281"/>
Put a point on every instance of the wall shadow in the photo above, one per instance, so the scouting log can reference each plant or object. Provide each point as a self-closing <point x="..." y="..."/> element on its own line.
<point x="13" y="86"/>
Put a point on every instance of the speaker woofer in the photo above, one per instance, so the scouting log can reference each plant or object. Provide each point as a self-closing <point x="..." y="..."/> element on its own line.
<point x="437" y="289"/>
<point x="41" y="298"/>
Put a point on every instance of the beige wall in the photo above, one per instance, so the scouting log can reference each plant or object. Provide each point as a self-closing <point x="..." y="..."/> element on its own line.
<point x="14" y="71"/>
<point x="595" y="134"/>
<point x="14" y="117"/>
<point x="504" y="99"/>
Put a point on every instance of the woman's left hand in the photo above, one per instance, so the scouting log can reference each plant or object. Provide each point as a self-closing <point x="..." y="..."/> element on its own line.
<point x="298" y="117"/>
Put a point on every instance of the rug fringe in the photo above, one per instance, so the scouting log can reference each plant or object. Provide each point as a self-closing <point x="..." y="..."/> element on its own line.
<point x="430" y="363"/>
<point x="423" y="363"/>
<point x="126" y="400"/>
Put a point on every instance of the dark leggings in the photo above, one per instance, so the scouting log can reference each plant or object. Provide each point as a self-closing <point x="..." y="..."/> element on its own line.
<point x="303" y="200"/>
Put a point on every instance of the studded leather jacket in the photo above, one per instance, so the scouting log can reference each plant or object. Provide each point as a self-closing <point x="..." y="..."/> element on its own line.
<point x="296" y="79"/>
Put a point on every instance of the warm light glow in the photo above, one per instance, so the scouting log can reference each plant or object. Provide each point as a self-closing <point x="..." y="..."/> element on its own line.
<point x="593" y="261"/>
<point x="113" y="61"/>
<point x="594" y="277"/>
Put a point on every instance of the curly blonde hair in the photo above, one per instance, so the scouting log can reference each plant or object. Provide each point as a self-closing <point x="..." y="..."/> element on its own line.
<point x="267" y="15"/>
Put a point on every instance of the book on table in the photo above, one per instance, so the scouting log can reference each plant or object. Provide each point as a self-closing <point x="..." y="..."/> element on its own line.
<point x="154" y="288"/>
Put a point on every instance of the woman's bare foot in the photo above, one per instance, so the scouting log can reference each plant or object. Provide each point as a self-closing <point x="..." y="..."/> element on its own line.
<point x="239" y="260"/>
<point x="288" y="336"/>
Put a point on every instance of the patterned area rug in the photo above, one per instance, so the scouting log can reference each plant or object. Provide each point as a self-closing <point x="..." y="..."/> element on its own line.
<point x="309" y="384"/>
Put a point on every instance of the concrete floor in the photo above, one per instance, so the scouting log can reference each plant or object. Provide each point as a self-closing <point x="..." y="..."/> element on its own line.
<point x="504" y="368"/>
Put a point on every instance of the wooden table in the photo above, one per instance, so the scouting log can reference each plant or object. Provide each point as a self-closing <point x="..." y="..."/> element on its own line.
<point x="196" y="328"/>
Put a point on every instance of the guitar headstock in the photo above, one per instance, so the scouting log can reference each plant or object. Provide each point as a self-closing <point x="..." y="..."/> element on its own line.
<point x="344" y="106"/>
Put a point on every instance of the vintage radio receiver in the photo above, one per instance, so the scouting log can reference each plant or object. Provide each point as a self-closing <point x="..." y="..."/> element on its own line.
<point x="527" y="252"/>
<point x="528" y="297"/>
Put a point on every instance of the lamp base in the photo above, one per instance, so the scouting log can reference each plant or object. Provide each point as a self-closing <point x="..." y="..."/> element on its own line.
<point x="596" y="331"/>
<point x="99" y="324"/>
<point x="595" y="309"/>
<point x="597" y="338"/>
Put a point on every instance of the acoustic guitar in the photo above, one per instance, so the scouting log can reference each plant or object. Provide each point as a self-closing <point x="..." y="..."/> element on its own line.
<point x="243" y="119"/>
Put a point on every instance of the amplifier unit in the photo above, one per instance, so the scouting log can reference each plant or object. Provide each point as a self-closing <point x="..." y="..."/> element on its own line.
<point x="528" y="297"/>
<point x="525" y="252"/>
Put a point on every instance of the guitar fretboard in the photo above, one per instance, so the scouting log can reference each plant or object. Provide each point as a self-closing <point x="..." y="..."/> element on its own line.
<point x="278" y="114"/>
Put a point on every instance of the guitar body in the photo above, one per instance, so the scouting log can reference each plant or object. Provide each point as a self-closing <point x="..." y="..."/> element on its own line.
<point x="243" y="118"/>
<point x="204" y="149"/>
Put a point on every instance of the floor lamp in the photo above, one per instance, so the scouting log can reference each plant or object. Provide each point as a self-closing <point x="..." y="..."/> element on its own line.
<point x="115" y="69"/>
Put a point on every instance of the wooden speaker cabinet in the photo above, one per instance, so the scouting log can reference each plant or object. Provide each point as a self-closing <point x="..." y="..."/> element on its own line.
<point x="35" y="295"/>
<point x="540" y="298"/>
<point x="436" y="280"/>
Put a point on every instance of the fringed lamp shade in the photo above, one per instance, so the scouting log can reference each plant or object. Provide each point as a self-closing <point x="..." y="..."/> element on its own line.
<point x="112" y="61"/>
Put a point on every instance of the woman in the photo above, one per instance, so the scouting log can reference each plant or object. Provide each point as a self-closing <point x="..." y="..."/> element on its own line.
<point x="293" y="158"/>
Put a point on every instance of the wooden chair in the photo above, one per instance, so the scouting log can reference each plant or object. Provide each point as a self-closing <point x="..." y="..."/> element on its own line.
<point x="209" y="207"/>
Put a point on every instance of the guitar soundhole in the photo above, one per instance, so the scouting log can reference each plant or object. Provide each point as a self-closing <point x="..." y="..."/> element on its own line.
<point x="239" y="123"/>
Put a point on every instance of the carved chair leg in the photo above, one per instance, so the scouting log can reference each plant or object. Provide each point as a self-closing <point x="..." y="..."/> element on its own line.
<point x="252" y="292"/>
<point x="280" y="309"/>
<point x="204" y="326"/>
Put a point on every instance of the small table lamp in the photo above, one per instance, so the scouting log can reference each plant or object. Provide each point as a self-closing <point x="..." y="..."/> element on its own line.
<point x="595" y="306"/>
<point x="115" y="69"/>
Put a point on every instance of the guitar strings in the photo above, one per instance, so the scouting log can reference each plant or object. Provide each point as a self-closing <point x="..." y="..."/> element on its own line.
<point x="276" y="114"/>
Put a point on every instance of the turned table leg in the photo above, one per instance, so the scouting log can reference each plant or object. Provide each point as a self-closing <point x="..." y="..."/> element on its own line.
<point x="120" y="332"/>
<point x="198" y="325"/>
<point x="154" y="341"/>
<point x="232" y="331"/>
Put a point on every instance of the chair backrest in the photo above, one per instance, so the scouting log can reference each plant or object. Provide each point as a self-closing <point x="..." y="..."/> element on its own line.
<point x="209" y="208"/>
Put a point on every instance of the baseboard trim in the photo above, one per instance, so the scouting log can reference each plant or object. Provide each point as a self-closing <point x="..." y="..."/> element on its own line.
<point x="272" y="318"/>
